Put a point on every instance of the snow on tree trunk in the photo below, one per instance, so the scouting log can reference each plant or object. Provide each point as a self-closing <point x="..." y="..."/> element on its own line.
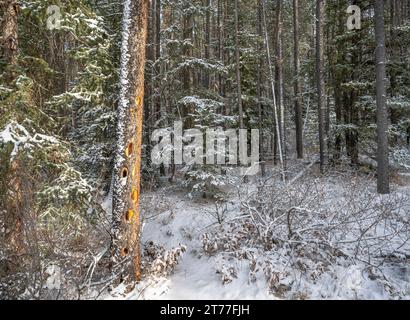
<point x="126" y="187"/>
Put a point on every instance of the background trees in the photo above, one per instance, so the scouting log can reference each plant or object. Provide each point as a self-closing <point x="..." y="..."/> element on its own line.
<point x="207" y="65"/>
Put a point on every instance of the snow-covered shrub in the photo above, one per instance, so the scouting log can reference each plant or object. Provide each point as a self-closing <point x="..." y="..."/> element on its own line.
<point x="219" y="212"/>
<point x="159" y="262"/>
<point x="306" y="235"/>
<point x="227" y="273"/>
<point x="401" y="157"/>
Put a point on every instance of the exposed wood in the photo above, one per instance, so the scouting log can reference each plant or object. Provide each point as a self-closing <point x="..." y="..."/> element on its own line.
<point x="126" y="189"/>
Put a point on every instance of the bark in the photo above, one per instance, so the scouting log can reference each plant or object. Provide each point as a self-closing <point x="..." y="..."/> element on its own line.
<point x="9" y="39"/>
<point x="15" y="197"/>
<point x="381" y="95"/>
<point x="127" y="178"/>
<point x="158" y="106"/>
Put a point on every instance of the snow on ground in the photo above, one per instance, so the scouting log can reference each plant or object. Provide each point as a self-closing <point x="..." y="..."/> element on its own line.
<point x="195" y="277"/>
<point x="172" y="219"/>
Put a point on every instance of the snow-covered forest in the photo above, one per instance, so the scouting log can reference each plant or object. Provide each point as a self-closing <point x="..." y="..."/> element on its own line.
<point x="205" y="149"/>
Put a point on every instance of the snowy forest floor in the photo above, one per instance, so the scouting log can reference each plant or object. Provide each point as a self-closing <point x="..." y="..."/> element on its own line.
<point x="321" y="237"/>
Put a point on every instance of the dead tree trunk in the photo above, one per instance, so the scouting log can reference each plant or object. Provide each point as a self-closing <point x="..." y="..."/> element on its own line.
<point x="126" y="187"/>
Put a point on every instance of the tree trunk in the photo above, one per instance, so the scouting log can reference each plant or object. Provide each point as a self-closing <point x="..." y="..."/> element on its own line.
<point x="238" y="66"/>
<point x="207" y="83"/>
<point x="158" y="105"/>
<point x="149" y="111"/>
<point x="259" y="90"/>
<point x="382" y="118"/>
<point x="280" y="81"/>
<point x="297" y="87"/>
<point x="338" y="76"/>
<point x="396" y="53"/>
<point x="188" y="76"/>
<point x="354" y="95"/>
<point x="221" y="49"/>
<point x="320" y="78"/>
<point x="126" y="187"/>
<point x="15" y="198"/>
<point x="277" y="133"/>
<point x="9" y="40"/>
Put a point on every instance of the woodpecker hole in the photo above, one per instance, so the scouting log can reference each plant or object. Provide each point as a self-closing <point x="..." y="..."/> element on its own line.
<point x="128" y="151"/>
<point x="124" y="252"/>
<point x="124" y="173"/>
<point x="138" y="101"/>
<point x="129" y="215"/>
<point x="134" y="195"/>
